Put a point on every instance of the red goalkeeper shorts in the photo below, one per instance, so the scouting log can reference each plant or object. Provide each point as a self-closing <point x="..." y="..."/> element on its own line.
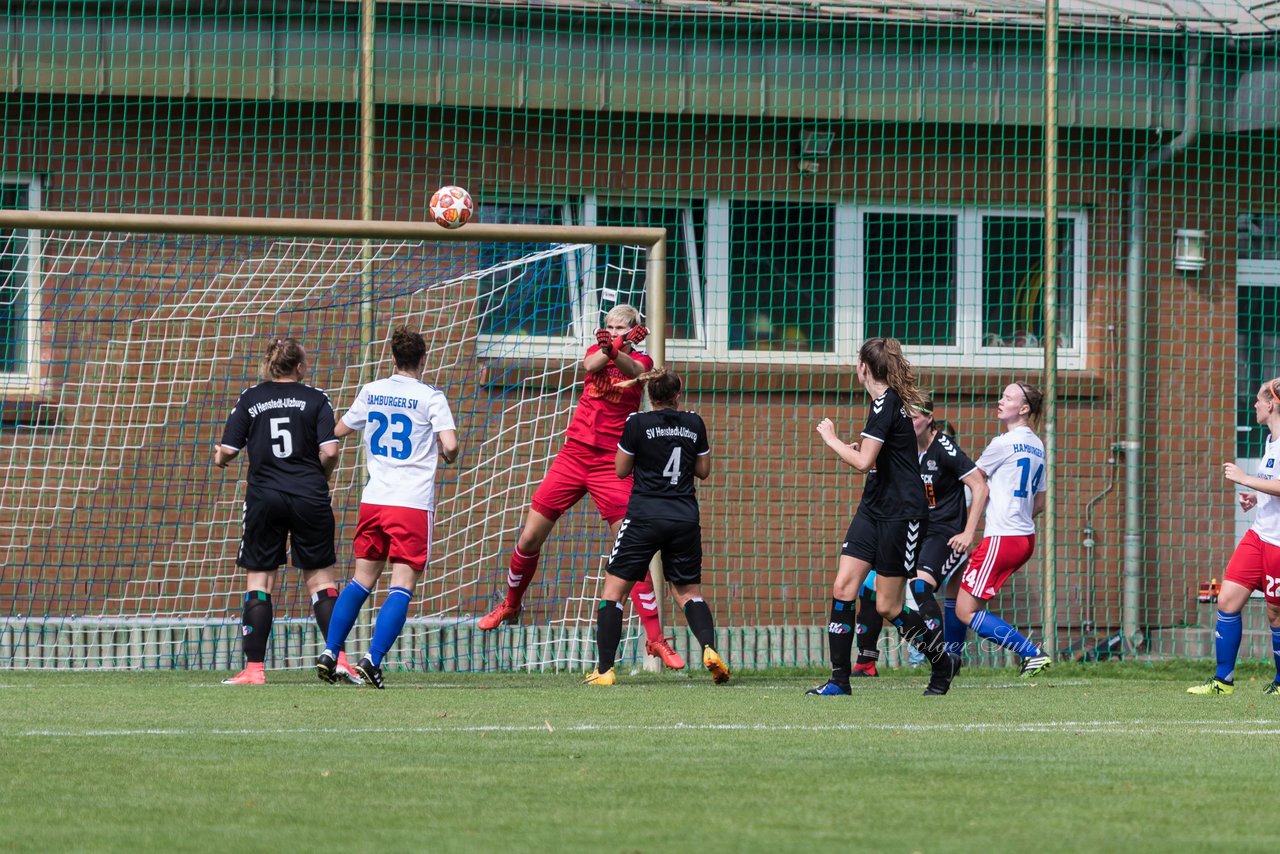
<point x="398" y="534"/>
<point x="577" y="470"/>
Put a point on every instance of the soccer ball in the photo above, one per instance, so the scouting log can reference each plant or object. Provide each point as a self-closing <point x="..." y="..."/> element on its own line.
<point x="452" y="207"/>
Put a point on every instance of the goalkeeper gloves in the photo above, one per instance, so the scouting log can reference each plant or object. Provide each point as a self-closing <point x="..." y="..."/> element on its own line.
<point x="636" y="334"/>
<point x="606" y="343"/>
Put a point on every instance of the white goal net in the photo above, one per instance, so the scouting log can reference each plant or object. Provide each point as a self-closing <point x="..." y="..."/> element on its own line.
<point x="117" y="536"/>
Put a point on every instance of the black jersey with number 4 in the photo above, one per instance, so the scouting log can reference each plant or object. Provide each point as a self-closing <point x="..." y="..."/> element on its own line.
<point x="892" y="490"/>
<point x="942" y="467"/>
<point x="282" y="425"/>
<point x="665" y="443"/>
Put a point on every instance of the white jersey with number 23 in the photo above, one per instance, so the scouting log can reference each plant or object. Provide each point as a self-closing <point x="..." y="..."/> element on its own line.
<point x="401" y="418"/>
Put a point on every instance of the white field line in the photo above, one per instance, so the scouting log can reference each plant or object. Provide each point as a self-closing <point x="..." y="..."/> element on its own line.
<point x="1135" y="727"/>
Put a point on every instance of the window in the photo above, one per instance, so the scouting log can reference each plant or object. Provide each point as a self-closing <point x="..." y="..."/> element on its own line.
<point x="960" y="287"/>
<point x="966" y="284"/>
<point x="530" y="299"/>
<point x="910" y="274"/>
<point x="559" y="299"/>
<point x="780" y="277"/>
<point x="1013" y="281"/>
<point x="1258" y="237"/>
<point x="1257" y="335"/>
<point x="18" y="315"/>
<point x="686" y="249"/>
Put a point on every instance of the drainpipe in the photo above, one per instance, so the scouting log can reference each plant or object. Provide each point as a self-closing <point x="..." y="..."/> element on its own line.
<point x="1135" y="327"/>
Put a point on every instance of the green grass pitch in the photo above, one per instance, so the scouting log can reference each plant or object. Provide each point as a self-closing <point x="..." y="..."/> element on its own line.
<point x="1110" y="757"/>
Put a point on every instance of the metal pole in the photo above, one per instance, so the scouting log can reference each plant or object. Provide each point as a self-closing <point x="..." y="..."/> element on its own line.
<point x="1136" y="416"/>
<point x="367" y="24"/>
<point x="350" y="228"/>
<point x="656" y="320"/>
<point x="1049" y="296"/>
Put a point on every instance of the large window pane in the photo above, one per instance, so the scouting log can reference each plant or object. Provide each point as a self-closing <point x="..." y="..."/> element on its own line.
<point x="1013" y="281"/>
<point x="910" y="268"/>
<point x="780" y="276"/>
<point x="13" y="282"/>
<point x="684" y="258"/>
<point x="1257" y="359"/>
<point x="531" y="299"/>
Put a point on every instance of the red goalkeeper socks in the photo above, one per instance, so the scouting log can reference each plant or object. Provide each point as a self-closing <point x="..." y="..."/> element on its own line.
<point x="521" y="572"/>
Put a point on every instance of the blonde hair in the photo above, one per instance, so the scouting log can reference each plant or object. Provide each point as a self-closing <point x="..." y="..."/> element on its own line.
<point x="1273" y="386"/>
<point x="884" y="359"/>
<point x="622" y="313"/>
<point x="282" y="358"/>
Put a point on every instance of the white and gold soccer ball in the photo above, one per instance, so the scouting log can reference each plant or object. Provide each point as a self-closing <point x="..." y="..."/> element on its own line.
<point x="452" y="207"/>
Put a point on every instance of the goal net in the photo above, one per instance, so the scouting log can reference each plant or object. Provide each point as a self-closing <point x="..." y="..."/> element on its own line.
<point x="119" y="537"/>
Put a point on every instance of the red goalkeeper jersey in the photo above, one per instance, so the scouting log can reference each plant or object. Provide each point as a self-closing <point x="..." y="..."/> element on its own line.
<point x="605" y="404"/>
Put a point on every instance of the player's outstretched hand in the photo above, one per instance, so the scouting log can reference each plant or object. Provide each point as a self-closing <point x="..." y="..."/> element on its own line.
<point x="1248" y="501"/>
<point x="605" y="340"/>
<point x="636" y="334"/>
<point x="1232" y="472"/>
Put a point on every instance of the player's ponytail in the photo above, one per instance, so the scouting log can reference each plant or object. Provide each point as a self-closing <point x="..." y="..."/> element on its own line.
<point x="408" y="349"/>
<point x="282" y="358"/>
<point x="664" y="386"/>
<point x="884" y="359"/>
<point x="1034" y="398"/>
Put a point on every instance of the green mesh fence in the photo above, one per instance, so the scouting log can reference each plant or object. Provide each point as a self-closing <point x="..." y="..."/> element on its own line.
<point x="825" y="172"/>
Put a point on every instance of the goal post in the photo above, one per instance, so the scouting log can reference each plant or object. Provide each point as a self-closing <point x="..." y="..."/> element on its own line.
<point x="120" y="538"/>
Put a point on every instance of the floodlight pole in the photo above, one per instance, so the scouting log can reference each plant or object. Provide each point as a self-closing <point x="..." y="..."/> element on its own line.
<point x="1049" y="298"/>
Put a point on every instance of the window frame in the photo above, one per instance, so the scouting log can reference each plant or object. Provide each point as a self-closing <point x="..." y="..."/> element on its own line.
<point x="27" y="381"/>
<point x="849" y="297"/>
<point x="584" y="302"/>
<point x="710" y="293"/>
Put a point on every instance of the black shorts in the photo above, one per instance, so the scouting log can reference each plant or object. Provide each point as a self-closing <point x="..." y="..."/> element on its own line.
<point x="892" y="547"/>
<point x="273" y="519"/>
<point x="679" y="540"/>
<point x="938" y="561"/>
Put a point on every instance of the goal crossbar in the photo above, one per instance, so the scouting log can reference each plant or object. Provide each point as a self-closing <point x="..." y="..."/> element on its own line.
<point x="654" y="240"/>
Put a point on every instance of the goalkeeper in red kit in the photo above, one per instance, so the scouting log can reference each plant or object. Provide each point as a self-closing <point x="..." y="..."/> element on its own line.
<point x="586" y="465"/>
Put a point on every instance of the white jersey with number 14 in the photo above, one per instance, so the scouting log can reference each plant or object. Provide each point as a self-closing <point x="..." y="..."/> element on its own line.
<point x="401" y="419"/>
<point x="1014" y="465"/>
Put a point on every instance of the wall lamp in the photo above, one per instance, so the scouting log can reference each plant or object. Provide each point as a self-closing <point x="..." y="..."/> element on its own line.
<point x="1189" y="250"/>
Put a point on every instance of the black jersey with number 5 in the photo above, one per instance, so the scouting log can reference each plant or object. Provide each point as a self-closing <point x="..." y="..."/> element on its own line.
<point x="283" y="425"/>
<point x="892" y="490"/>
<point x="665" y="443"/>
<point x="943" y="466"/>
